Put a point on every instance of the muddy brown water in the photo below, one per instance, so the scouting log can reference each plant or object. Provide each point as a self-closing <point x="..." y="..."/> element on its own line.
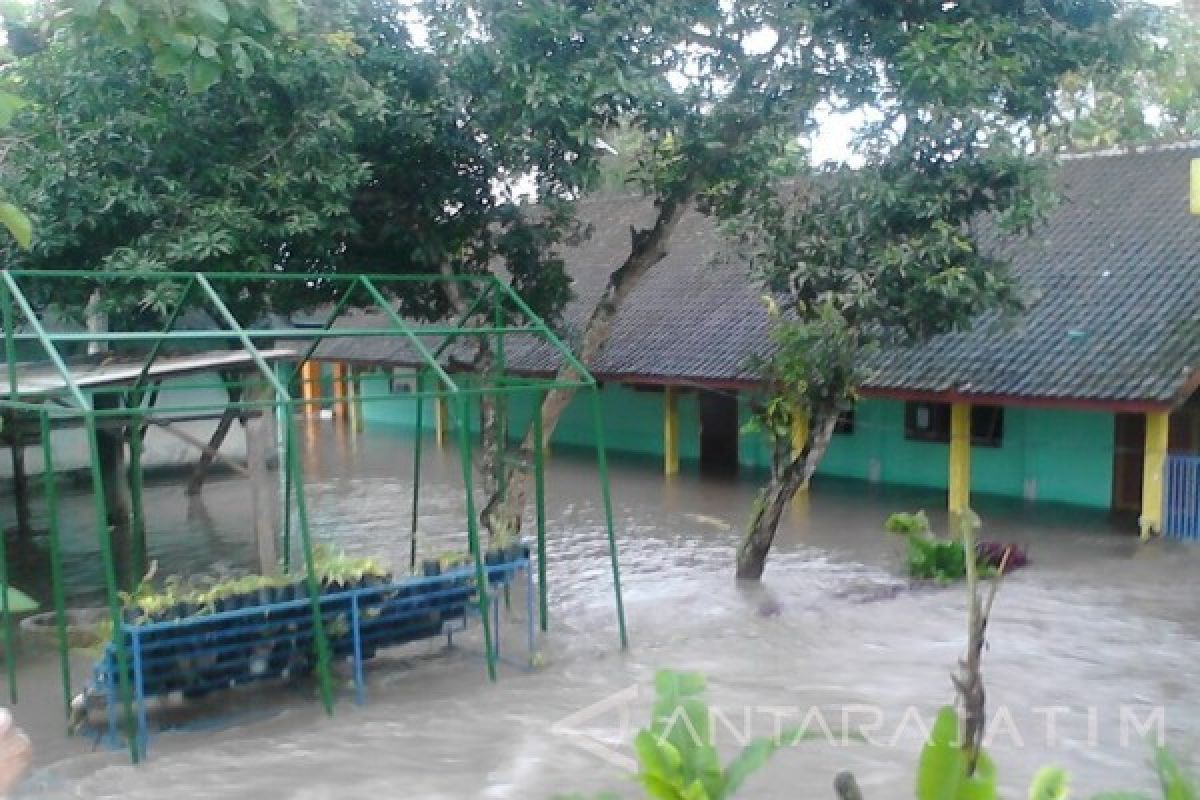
<point x="1099" y="634"/>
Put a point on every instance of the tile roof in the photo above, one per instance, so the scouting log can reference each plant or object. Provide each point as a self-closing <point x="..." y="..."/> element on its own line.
<point x="1111" y="282"/>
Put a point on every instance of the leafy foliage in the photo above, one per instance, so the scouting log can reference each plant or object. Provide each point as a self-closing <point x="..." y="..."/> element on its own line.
<point x="197" y="40"/>
<point x="676" y="756"/>
<point x="1153" y="96"/>
<point x="889" y="253"/>
<point x="340" y="145"/>
<point x="929" y="557"/>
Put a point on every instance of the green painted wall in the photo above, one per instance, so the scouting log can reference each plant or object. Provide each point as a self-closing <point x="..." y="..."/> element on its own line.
<point x="633" y="420"/>
<point x="1051" y="455"/>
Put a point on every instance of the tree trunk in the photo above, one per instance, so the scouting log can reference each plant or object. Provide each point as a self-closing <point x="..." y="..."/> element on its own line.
<point x="114" y="471"/>
<point x="503" y="510"/>
<point x="789" y="471"/>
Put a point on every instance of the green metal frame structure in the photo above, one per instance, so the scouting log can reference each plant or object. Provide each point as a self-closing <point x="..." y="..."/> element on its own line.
<point x="506" y="315"/>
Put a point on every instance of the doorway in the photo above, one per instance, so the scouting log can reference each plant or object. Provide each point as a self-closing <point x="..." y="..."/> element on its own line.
<point x="718" y="432"/>
<point x="1128" y="457"/>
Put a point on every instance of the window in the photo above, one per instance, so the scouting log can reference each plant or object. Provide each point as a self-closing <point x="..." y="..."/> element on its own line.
<point x="930" y="422"/>
<point x="845" y="423"/>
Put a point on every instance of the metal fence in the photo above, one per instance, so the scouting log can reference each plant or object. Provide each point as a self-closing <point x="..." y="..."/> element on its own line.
<point x="1183" y="497"/>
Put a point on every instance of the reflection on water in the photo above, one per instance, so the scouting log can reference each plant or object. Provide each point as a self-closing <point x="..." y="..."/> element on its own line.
<point x="1097" y="623"/>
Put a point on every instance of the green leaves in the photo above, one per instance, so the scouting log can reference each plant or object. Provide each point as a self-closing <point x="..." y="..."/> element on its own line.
<point x="1049" y="783"/>
<point x="10" y="104"/>
<point x="676" y="755"/>
<point x="17" y="223"/>
<point x="942" y="768"/>
<point x="199" y="40"/>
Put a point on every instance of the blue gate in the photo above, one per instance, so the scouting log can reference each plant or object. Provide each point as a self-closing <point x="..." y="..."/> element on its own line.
<point x="1183" y="497"/>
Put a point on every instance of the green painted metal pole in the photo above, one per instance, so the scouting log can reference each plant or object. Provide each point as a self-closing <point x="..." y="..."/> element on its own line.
<point x="324" y="677"/>
<point x="416" y="495"/>
<point x="10" y="652"/>
<point x="111" y="589"/>
<point x="138" y="520"/>
<point x="499" y="399"/>
<point x="57" y="589"/>
<point x="10" y="656"/>
<point x="606" y="493"/>
<point x="158" y="343"/>
<point x="288" y="445"/>
<point x="10" y="345"/>
<point x="481" y="582"/>
<point x="539" y="495"/>
<point x="39" y="333"/>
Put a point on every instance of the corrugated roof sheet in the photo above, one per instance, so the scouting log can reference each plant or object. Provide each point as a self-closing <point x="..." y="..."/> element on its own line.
<point x="1111" y="281"/>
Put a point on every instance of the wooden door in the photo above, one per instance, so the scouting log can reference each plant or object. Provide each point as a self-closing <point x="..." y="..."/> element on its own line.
<point x="718" y="432"/>
<point x="1129" y="455"/>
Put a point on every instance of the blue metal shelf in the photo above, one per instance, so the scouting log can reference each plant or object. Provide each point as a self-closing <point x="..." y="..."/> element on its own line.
<point x="207" y="653"/>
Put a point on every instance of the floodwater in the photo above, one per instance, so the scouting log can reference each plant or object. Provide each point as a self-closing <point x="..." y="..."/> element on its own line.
<point x="1097" y="637"/>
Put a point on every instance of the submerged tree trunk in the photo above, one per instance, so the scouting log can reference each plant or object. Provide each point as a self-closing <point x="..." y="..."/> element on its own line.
<point x="505" y="505"/>
<point x="789" y="471"/>
<point x="114" y="471"/>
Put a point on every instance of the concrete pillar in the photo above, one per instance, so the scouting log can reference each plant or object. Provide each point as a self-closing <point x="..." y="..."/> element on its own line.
<point x="670" y="431"/>
<point x="960" y="459"/>
<point x="340" y="406"/>
<point x="310" y="383"/>
<point x="1153" y="468"/>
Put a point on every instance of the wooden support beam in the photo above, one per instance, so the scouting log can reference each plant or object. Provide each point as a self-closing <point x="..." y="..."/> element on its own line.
<point x="670" y="431"/>
<point x="439" y="421"/>
<point x="260" y="444"/>
<point x="960" y="459"/>
<point x="1158" y="427"/>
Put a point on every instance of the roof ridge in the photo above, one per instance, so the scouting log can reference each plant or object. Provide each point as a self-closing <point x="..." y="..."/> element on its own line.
<point x="1131" y="149"/>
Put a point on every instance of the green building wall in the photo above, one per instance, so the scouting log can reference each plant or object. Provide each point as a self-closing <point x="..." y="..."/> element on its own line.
<point x="1047" y="455"/>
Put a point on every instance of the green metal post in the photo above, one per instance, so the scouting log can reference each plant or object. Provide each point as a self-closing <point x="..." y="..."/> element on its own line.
<point x="605" y="491"/>
<point x="416" y="496"/>
<point x="10" y="655"/>
<point x="110" y="588"/>
<point x="10" y="352"/>
<point x="138" y="520"/>
<point x="324" y="678"/>
<point x="286" y="466"/>
<point x="57" y="589"/>
<point x="481" y="582"/>
<point x="539" y="495"/>
<point x="500" y="401"/>
<point x="10" y="345"/>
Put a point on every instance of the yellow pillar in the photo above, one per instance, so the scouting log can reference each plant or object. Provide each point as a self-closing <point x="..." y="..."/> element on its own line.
<point x="1195" y="186"/>
<point x="1153" y="467"/>
<point x="670" y="431"/>
<point x="439" y="420"/>
<point x="309" y="381"/>
<point x="339" y="390"/>
<point x="799" y="437"/>
<point x="960" y="458"/>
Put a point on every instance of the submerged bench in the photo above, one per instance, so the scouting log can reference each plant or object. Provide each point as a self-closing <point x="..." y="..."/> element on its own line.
<point x="271" y="638"/>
